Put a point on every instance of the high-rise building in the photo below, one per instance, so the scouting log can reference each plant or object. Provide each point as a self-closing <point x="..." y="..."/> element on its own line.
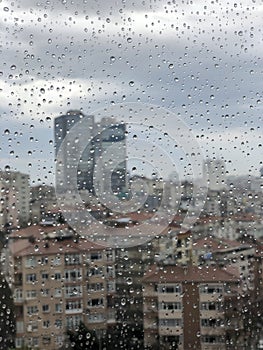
<point x="85" y="164"/>
<point x="106" y="137"/>
<point x="15" y="199"/>
<point x="216" y="174"/>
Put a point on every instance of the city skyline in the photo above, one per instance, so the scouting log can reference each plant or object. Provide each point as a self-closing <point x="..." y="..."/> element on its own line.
<point x="210" y="80"/>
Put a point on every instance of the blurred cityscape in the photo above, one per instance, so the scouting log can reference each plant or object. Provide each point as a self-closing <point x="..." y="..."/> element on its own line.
<point x="194" y="288"/>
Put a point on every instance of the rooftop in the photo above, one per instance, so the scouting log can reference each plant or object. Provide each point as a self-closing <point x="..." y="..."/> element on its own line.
<point x="175" y="274"/>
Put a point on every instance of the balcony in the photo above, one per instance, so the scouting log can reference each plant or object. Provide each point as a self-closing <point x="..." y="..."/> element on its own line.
<point x="73" y="311"/>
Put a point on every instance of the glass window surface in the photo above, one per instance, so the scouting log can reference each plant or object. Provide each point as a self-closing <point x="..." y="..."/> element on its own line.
<point x="131" y="174"/>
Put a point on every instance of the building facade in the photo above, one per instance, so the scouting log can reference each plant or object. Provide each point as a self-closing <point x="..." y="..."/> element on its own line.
<point x="191" y="308"/>
<point x="104" y="139"/>
<point x="57" y="282"/>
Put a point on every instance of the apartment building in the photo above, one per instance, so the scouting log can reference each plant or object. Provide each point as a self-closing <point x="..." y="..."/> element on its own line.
<point x="57" y="281"/>
<point x="230" y="254"/>
<point x="191" y="308"/>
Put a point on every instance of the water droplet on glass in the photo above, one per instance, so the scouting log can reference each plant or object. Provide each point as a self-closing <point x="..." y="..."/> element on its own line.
<point x="129" y="281"/>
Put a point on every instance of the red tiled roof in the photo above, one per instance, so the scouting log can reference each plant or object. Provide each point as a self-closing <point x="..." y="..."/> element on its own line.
<point x="21" y="247"/>
<point x="52" y="247"/>
<point x="215" y="244"/>
<point x="175" y="274"/>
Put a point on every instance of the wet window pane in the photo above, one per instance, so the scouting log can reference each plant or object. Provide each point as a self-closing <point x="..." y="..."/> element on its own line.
<point x="131" y="175"/>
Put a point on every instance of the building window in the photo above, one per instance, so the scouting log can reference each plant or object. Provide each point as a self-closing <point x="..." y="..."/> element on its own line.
<point x="73" y="259"/>
<point x="58" y="308"/>
<point x="73" y="305"/>
<point x="58" y="323"/>
<point x="44" y="276"/>
<point x="57" y="276"/>
<point x="109" y="256"/>
<point x="209" y="306"/>
<point x="96" y="318"/>
<point x="19" y="326"/>
<point x="45" y="308"/>
<point x="32" y="310"/>
<point x="98" y="302"/>
<point x="175" y="322"/>
<point x="46" y="340"/>
<point x="44" y="292"/>
<point x="170" y="289"/>
<point x="72" y="275"/>
<point x="31" y="278"/>
<point x="95" y="271"/>
<point x="19" y="343"/>
<point x="35" y="342"/>
<point x="73" y="321"/>
<point x="73" y="291"/>
<point x="170" y="306"/>
<point x="213" y="339"/>
<point x="46" y="324"/>
<point x="92" y="287"/>
<point x="211" y="322"/>
<point x="44" y="260"/>
<point x="110" y="271"/>
<point x="32" y="327"/>
<point x="18" y="295"/>
<point x="31" y="294"/>
<point x="111" y="287"/>
<point x="57" y="261"/>
<point x="210" y="289"/>
<point x="59" y="340"/>
<point x="58" y="292"/>
<point x="95" y="256"/>
<point x="30" y="261"/>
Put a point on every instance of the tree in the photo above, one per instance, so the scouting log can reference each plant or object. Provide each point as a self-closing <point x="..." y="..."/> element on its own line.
<point x="82" y="338"/>
<point x="7" y="320"/>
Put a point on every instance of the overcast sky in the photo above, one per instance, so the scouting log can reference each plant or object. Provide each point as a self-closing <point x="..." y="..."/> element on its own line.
<point x="201" y="60"/>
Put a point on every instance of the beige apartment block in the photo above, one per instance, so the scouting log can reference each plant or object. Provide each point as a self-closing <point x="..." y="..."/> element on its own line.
<point x="57" y="281"/>
<point x="191" y="308"/>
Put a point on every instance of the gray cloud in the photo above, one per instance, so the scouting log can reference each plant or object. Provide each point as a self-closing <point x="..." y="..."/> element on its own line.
<point x="202" y="61"/>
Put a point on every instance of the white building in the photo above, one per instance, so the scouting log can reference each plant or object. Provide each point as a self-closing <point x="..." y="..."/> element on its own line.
<point x="216" y="174"/>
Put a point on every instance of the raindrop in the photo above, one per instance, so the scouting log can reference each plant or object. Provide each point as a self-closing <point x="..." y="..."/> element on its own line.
<point x="131" y="83"/>
<point x="129" y="281"/>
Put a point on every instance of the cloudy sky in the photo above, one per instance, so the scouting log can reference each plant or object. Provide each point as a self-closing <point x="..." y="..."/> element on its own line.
<point x="200" y="60"/>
